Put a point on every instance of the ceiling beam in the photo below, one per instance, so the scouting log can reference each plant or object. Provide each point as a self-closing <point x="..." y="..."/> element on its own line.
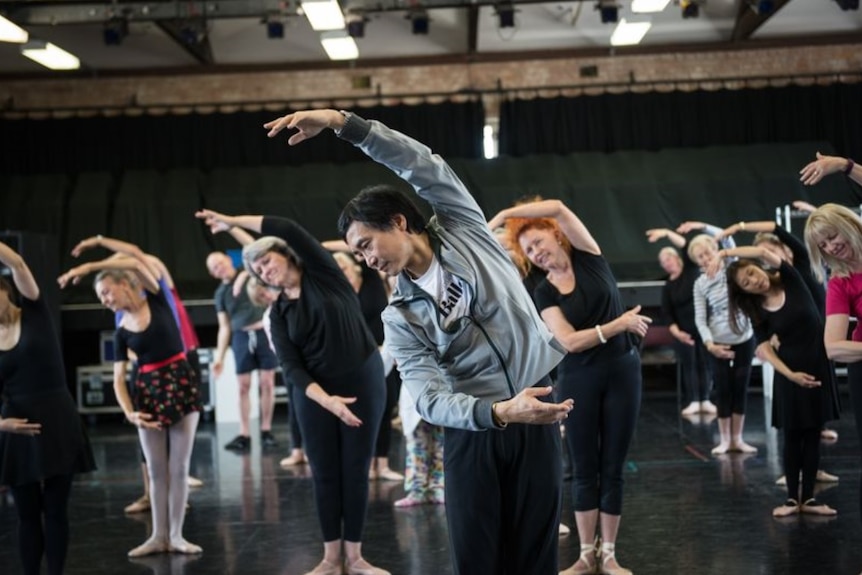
<point x="851" y="40"/>
<point x="52" y="12"/>
<point x="472" y="30"/>
<point x="36" y="12"/>
<point x="748" y="20"/>
<point x="191" y="36"/>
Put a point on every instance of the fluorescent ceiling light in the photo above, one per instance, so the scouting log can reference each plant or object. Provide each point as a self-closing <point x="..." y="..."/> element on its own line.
<point x="323" y="14"/>
<point x="339" y="45"/>
<point x="50" y="56"/>
<point x="643" y="6"/>
<point x="12" y="32"/>
<point x="629" y="33"/>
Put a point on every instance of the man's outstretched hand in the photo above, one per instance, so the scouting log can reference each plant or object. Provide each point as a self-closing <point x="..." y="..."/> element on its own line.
<point x="526" y="407"/>
<point x="307" y="124"/>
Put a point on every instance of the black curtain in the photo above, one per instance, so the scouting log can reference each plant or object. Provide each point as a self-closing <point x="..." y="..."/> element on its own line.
<point x="618" y="196"/>
<point x="656" y="120"/>
<point x="207" y="141"/>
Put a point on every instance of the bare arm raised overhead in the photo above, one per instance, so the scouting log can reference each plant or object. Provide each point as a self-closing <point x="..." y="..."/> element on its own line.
<point x="139" y="268"/>
<point x="570" y="224"/>
<point x="22" y="277"/>
<point x="655" y="234"/>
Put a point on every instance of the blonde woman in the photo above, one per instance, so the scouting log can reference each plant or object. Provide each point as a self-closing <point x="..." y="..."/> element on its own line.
<point x="833" y="235"/>
<point x="165" y="404"/>
<point x="731" y="351"/>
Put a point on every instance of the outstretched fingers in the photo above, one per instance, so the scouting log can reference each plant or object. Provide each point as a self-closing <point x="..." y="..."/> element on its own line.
<point x="277" y="125"/>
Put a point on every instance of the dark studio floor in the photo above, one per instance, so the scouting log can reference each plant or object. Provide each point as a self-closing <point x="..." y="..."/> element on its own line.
<point x="685" y="512"/>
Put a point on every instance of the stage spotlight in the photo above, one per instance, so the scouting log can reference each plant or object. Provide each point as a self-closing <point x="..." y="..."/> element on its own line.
<point x="762" y="6"/>
<point x="355" y="25"/>
<point x="690" y="8"/>
<point x="608" y="10"/>
<point x="193" y="33"/>
<point x="274" y="29"/>
<point x="419" y="22"/>
<point x="506" y="14"/>
<point x="848" y="4"/>
<point x="114" y="31"/>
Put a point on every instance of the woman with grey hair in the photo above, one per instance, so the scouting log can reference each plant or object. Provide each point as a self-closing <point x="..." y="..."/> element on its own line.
<point x="330" y="356"/>
<point x="677" y="305"/>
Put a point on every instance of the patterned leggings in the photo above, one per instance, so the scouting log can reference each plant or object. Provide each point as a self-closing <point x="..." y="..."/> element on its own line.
<point x="423" y="465"/>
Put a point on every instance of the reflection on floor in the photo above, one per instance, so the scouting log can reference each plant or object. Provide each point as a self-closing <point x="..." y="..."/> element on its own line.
<point x="685" y="512"/>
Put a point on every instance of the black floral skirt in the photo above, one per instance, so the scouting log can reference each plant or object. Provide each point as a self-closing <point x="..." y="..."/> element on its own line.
<point x="168" y="392"/>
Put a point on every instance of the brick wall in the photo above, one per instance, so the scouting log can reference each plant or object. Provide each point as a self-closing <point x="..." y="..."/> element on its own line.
<point x="323" y="87"/>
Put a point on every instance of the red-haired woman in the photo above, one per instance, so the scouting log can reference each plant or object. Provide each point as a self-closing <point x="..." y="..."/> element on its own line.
<point x="581" y="304"/>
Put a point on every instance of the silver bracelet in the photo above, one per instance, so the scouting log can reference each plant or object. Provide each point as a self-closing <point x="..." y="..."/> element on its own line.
<point x="600" y="334"/>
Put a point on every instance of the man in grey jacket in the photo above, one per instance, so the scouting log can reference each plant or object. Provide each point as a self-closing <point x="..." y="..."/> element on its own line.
<point x="469" y="345"/>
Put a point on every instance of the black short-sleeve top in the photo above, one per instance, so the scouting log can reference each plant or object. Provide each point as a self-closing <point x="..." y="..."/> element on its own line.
<point x="35" y="364"/>
<point x="160" y="341"/>
<point x="595" y="300"/>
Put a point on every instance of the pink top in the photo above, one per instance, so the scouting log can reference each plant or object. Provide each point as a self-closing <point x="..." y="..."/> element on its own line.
<point x="187" y="329"/>
<point x="844" y="297"/>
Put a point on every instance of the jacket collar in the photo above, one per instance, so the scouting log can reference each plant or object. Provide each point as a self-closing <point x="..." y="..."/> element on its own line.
<point x="406" y="289"/>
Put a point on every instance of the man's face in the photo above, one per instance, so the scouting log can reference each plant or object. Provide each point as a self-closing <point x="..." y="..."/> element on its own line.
<point x="220" y="266"/>
<point x="385" y="251"/>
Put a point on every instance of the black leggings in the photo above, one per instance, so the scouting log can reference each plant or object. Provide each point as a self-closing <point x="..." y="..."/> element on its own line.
<point x="384" y="435"/>
<point x="801" y="453"/>
<point x="36" y="501"/>
<point x="731" y="379"/>
<point x="694" y="367"/>
<point x="340" y="455"/>
<point x="600" y="427"/>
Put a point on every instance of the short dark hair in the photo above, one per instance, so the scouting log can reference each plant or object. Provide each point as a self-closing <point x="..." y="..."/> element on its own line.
<point x="376" y="206"/>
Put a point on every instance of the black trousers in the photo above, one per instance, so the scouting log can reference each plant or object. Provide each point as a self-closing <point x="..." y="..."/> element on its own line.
<point x="384" y="435"/>
<point x="292" y="420"/>
<point x="340" y="456"/>
<point x="503" y="497"/>
<point x="694" y="364"/>
<point x="854" y="379"/>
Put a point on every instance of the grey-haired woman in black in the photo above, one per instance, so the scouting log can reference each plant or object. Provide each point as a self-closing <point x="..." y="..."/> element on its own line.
<point x="328" y="353"/>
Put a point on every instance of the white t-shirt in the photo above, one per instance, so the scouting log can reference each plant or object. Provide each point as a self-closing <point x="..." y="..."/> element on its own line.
<point x="267" y="327"/>
<point x="448" y="291"/>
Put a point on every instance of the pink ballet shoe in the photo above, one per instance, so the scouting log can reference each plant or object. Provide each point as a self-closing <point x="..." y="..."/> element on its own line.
<point x="150" y="547"/>
<point x="185" y="548"/>
<point x="409" y="501"/>
<point x="363" y="567"/>
<point x="326" y="568"/>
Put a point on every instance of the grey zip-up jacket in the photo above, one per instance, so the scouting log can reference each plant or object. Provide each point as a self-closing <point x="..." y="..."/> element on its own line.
<point x="502" y="346"/>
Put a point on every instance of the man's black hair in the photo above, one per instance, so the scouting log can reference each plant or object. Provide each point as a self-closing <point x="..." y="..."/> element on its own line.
<point x="377" y="206"/>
